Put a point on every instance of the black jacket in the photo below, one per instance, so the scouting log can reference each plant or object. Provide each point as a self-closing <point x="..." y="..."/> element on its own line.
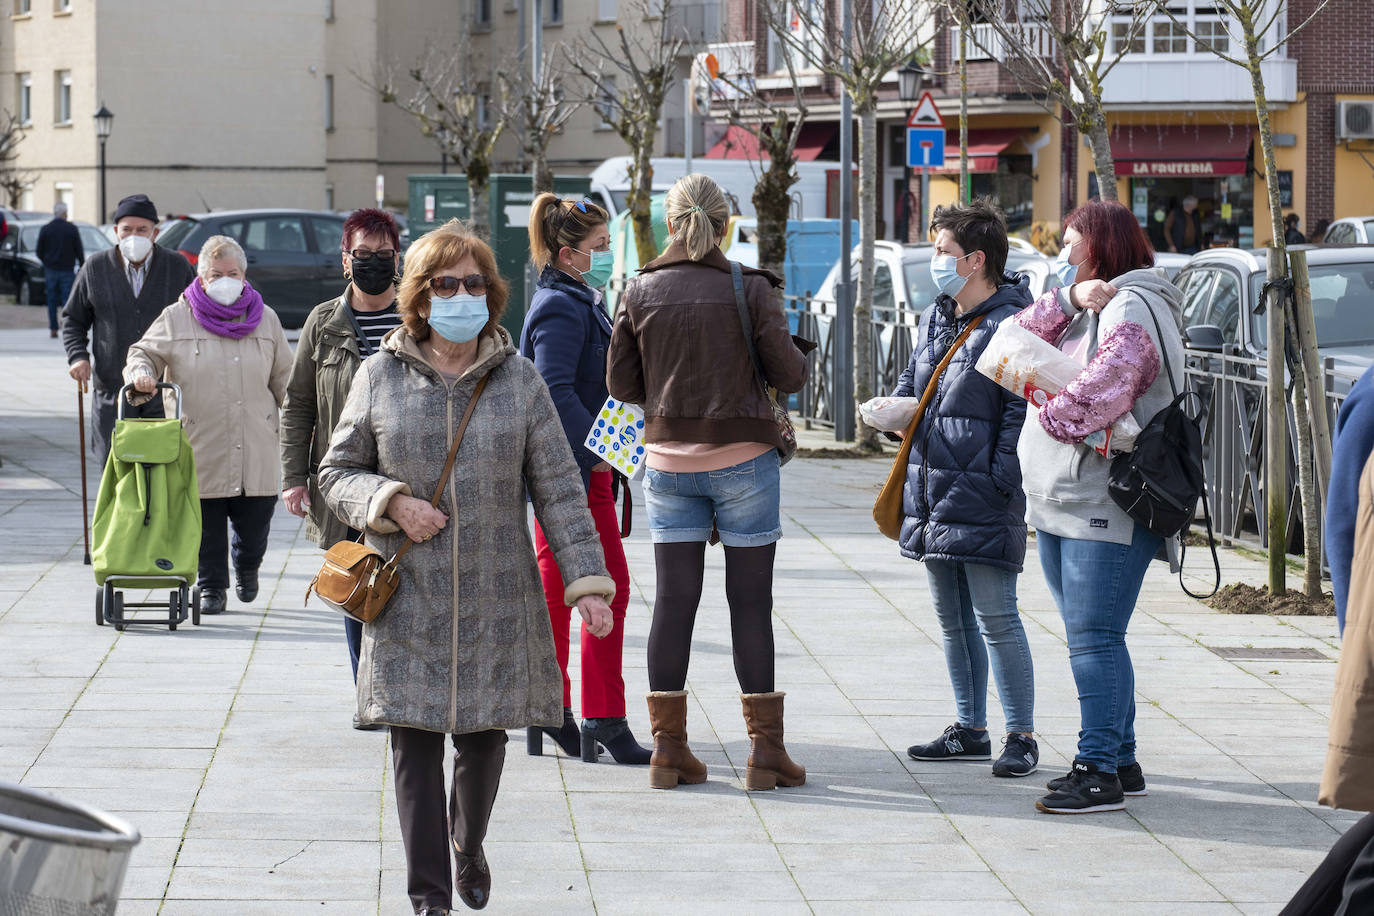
<point x="59" y="246"/>
<point x="963" y="499"/>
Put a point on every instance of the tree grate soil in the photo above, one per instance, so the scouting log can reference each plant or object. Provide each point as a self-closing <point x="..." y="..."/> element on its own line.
<point x="1247" y="599"/>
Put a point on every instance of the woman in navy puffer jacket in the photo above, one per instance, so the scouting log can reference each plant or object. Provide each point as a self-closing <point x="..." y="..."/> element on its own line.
<point x="964" y="507"/>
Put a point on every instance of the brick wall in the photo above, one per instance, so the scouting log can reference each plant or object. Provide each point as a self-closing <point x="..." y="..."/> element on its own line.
<point x="1333" y="54"/>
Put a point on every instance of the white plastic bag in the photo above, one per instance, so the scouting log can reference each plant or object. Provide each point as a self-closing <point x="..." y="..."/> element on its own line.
<point x="889" y="414"/>
<point x="1037" y="370"/>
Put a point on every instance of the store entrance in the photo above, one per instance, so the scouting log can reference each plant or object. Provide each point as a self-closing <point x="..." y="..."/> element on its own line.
<point x="1224" y="202"/>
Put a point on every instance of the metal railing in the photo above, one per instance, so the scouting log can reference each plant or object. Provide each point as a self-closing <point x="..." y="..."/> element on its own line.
<point x="1231" y="387"/>
<point x="985" y="43"/>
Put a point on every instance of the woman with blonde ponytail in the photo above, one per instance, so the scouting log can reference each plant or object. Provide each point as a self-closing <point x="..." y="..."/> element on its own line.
<point x="679" y="350"/>
<point x="566" y="334"/>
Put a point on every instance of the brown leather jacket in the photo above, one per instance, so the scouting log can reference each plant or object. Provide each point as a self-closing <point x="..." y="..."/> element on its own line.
<point x="678" y="351"/>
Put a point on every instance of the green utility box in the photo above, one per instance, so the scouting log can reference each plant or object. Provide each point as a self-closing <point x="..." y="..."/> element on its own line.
<point x="434" y="200"/>
<point x="511" y="198"/>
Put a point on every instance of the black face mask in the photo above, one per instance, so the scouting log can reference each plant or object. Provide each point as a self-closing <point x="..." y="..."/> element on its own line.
<point x="375" y="275"/>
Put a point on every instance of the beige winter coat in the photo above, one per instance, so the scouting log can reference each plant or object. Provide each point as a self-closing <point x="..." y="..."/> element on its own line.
<point x="231" y="391"/>
<point x="1348" y="779"/>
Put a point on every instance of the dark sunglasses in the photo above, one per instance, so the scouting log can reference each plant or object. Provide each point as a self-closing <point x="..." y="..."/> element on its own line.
<point x="476" y="284"/>
<point x="362" y="254"/>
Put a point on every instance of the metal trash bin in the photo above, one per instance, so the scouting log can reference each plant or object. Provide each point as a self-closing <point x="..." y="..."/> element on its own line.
<point x="59" y="858"/>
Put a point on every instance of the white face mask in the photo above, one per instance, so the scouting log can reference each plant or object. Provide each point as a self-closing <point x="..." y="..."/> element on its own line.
<point x="135" y="248"/>
<point x="225" y="290"/>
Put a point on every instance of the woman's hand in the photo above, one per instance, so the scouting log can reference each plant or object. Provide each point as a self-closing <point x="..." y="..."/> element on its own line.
<point x="597" y="615"/>
<point x="417" y="518"/>
<point x="603" y="466"/>
<point x="296" y="500"/>
<point x="1092" y="294"/>
<point x="145" y="384"/>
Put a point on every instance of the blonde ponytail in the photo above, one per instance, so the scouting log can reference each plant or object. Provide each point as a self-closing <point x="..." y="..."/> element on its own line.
<point x="556" y="224"/>
<point x="697" y="209"/>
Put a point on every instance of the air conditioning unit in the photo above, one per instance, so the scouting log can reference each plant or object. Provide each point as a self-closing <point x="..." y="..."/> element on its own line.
<point x="1355" y="120"/>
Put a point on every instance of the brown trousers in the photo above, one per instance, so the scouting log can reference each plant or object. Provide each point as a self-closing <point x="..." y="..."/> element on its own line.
<point x="418" y="759"/>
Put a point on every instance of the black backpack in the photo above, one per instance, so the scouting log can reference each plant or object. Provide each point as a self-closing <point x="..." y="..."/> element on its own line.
<point x="1159" y="483"/>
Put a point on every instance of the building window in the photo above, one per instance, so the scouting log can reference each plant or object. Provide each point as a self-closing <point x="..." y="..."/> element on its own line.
<point x="481" y="13"/>
<point x="23" y="7"/>
<point x="62" y="6"/>
<point x="1212" y="36"/>
<point x="482" y="112"/>
<point x="25" y="98"/>
<point x="1170" y="37"/>
<point x="329" y="17"/>
<point x="805" y="20"/>
<point x="605" y="10"/>
<point x="554" y="8"/>
<point x="329" y="101"/>
<point x="1122" y="36"/>
<point x="62" y="194"/>
<point x="329" y="197"/>
<point x="62" y="97"/>
<point x="606" y="102"/>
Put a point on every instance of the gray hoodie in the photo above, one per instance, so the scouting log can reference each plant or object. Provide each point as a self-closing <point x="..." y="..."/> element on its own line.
<point x="1066" y="485"/>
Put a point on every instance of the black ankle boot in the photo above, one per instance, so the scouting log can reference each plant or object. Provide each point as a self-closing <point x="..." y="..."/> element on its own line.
<point x="246" y="584"/>
<point x="565" y="737"/>
<point x="615" y="736"/>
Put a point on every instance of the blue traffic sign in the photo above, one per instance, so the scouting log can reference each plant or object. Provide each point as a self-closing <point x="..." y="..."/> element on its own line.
<point x="925" y="147"/>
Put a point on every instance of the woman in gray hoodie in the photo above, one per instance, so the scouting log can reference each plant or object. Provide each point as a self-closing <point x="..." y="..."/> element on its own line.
<point x="1113" y="313"/>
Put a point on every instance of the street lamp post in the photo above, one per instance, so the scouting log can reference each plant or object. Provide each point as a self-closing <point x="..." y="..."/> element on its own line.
<point x="104" y="123"/>
<point x="909" y="90"/>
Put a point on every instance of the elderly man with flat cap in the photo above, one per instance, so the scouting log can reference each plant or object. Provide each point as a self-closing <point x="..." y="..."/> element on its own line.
<point x="118" y="294"/>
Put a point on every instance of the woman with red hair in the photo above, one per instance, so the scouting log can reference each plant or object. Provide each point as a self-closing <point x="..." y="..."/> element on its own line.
<point x="1115" y="313"/>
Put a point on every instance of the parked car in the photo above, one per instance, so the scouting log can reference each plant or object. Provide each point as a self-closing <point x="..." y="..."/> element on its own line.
<point x="293" y="255"/>
<point x="1352" y="230"/>
<point x="1222" y="286"/>
<point x="21" y="273"/>
<point x="1171" y="262"/>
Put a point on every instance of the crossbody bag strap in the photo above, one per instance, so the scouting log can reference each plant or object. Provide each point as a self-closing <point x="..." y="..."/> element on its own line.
<point x="935" y="377"/>
<point x="746" y="324"/>
<point x="452" y="454"/>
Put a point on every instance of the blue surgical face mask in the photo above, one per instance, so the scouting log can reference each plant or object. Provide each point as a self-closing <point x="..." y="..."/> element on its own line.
<point x="943" y="271"/>
<point x="1065" y="271"/>
<point x="599" y="272"/>
<point x="458" y="318"/>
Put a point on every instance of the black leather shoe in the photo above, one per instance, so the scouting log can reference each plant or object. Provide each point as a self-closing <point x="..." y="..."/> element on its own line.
<point x="213" y="600"/>
<point x="472" y="878"/>
<point x="435" y="911"/>
<point x="246" y="584"/>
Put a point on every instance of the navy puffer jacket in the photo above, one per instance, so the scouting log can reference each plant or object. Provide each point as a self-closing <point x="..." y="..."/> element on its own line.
<point x="963" y="499"/>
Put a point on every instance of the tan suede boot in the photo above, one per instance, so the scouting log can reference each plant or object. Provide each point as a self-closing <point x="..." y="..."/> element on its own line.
<point x="672" y="762"/>
<point x="769" y="765"/>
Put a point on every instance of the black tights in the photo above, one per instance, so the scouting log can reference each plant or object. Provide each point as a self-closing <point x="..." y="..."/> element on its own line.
<point x="748" y="588"/>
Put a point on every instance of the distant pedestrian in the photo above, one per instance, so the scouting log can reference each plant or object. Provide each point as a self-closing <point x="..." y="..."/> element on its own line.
<point x="566" y="334"/>
<point x="965" y="511"/>
<point x="463" y="647"/>
<point x="1352" y="444"/>
<point x="117" y="295"/>
<point x="1291" y="235"/>
<point x="679" y="351"/>
<point x="225" y="348"/>
<point x="338" y="335"/>
<point x="1110" y="313"/>
<point x="1183" y="227"/>
<point x="59" y="248"/>
<point x="1318" y="233"/>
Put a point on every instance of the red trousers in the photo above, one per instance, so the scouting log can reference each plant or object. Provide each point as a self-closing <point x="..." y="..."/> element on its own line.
<point x="603" y="689"/>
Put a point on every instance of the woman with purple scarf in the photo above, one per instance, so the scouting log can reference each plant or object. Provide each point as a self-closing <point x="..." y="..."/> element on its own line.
<point x="226" y="350"/>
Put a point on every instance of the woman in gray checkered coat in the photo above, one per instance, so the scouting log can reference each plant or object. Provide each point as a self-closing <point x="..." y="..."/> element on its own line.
<point x="464" y="647"/>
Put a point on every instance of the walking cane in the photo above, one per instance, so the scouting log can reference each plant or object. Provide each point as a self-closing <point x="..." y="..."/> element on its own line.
<point x="85" y="510"/>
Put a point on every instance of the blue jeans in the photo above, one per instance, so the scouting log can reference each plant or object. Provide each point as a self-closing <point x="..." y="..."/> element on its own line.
<point x="58" y="284"/>
<point x="353" y="632"/>
<point x="976" y="603"/>
<point x="742" y="501"/>
<point x="1095" y="584"/>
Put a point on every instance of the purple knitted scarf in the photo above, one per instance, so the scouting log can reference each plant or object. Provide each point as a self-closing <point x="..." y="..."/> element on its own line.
<point x="236" y="321"/>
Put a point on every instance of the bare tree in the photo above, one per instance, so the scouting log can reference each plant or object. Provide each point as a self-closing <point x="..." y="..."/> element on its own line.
<point x="1062" y="51"/>
<point x="13" y="179"/>
<point x="885" y="35"/>
<point x="1261" y="22"/>
<point x="452" y="107"/>
<point x="628" y="82"/>
<point x="535" y="111"/>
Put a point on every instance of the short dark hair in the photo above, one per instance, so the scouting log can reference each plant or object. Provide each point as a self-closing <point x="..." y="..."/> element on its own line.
<point x="369" y="221"/>
<point x="979" y="225"/>
<point x="1116" y="242"/>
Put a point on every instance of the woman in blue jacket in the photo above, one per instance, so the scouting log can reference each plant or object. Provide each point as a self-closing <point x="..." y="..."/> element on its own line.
<point x="566" y="334"/>
<point x="965" y="511"/>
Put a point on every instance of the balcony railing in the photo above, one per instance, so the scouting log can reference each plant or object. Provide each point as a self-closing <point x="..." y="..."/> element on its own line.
<point x="984" y="42"/>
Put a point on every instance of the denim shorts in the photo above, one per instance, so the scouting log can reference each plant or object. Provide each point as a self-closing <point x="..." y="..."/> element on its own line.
<point x="742" y="501"/>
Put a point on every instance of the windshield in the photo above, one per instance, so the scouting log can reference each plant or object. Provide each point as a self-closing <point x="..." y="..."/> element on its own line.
<point x="173" y="232"/>
<point x="1342" y="302"/>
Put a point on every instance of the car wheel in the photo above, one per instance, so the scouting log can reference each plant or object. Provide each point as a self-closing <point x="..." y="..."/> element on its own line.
<point x="23" y="294"/>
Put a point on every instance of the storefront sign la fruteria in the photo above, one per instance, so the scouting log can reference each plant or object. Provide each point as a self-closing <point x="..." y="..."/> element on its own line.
<point x="1177" y="169"/>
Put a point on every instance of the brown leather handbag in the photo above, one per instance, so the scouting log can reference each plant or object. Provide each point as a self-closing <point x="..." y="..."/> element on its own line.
<point x="887" y="510"/>
<point x="354" y="579"/>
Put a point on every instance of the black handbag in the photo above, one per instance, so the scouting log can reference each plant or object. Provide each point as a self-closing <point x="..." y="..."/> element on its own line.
<point x="1158" y="483"/>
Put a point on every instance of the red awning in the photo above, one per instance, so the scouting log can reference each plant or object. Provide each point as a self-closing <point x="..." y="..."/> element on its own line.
<point x="1180" y="152"/>
<point x="984" y="146"/>
<point x="739" y="143"/>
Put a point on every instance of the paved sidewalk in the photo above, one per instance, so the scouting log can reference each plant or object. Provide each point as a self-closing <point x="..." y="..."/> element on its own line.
<point x="229" y="745"/>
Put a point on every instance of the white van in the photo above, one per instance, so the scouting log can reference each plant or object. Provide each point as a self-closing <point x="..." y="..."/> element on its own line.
<point x="737" y="177"/>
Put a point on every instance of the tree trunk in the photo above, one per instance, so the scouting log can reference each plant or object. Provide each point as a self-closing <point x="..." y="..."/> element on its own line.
<point x="479" y="199"/>
<point x="772" y="204"/>
<point x="638" y="200"/>
<point x="1311" y="508"/>
<point x="865" y="436"/>
<point x="1095" y="123"/>
<point x="543" y="175"/>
